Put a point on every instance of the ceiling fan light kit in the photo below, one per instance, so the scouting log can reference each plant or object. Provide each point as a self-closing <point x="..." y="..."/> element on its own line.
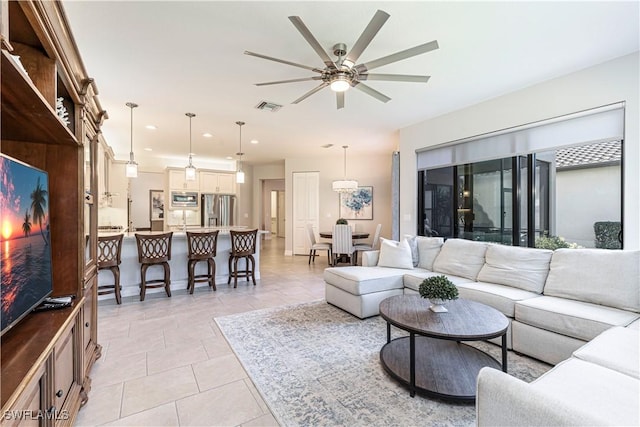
<point x="343" y="73"/>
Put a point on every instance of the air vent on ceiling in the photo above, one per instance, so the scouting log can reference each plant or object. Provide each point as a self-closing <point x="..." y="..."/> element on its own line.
<point x="268" y="106"/>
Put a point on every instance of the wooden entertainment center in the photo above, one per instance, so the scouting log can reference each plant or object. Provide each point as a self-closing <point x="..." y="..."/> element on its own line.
<point x="47" y="357"/>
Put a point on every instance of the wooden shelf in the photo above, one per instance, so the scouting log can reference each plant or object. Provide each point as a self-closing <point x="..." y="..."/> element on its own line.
<point x="26" y="115"/>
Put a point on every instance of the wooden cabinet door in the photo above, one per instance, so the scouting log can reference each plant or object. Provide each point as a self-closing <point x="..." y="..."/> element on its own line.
<point x="226" y="183"/>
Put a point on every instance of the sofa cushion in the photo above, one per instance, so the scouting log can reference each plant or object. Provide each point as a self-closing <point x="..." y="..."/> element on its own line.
<point x="593" y="390"/>
<point x="460" y="257"/>
<point x="575" y="319"/>
<point x="523" y="268"/>
<point x="428" y="250"/>
<point x="616" y="348"/>
<point x="601" y="276"/>
<point x="413" y="279"/>
<point x="395" y="254"/>
<point x="364" y="280"/>
<point x="502" y="298"/>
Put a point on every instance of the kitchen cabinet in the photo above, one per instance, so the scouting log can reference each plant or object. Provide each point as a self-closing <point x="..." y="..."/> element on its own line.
<point x="46" y="358"/>
<point x="217" y="182"/>
<point x="177" y="181"/>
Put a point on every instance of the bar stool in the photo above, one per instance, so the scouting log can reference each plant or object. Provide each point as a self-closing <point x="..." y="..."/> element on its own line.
<point x="154" y="249"/>
<point x="243" y="245"/>
<point x="109" y="257"/>
<point x="202" y="247"/>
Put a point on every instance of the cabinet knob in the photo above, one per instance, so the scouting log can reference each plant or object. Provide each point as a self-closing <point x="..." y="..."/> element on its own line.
<point x="86" y="324"/>
<point x="59" y="393"/>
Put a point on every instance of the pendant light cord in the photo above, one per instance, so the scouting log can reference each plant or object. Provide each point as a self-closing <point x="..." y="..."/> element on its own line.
<point x="345" y="160"/>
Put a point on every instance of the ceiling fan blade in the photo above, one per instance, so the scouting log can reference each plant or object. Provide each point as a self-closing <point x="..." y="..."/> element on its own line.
<point x="282" y="61"/>
<point x="311" y="92"/>
<point x="365" y="38"/>
<point x="297" y="22"/>
<point x="394" y="78"/>
<point x="303" y="79"/>
<point x="398" y="56"/>
<point x="370" y="91"/>
<point x="340" y="99"/>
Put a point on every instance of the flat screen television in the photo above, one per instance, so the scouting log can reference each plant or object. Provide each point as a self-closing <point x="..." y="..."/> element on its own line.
<point x="25" y="245"/>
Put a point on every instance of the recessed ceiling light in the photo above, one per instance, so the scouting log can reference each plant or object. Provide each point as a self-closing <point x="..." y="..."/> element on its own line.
<point x="254" y="141"/>
<point x="148" y="149"/>
<point x="151" y="127"/>
<point x="207" y="135"/>
<point x="229" y="158"/>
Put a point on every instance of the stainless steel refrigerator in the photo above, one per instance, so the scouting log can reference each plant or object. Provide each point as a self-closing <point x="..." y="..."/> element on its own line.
<point x="218" y="210"/>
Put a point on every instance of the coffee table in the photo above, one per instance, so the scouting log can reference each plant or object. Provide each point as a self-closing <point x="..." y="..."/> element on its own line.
<point x="432" y="359"/>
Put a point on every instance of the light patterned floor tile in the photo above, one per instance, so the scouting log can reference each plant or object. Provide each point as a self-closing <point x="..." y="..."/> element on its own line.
<point x="103" y="406"/>
<point x="174" y="357"/>
<point x="160" y="416"/>
<point x="228" y="405"/>
<point x="219" y="371"/>
<point x="116" y="370"/>
<point x="154" y="390"/>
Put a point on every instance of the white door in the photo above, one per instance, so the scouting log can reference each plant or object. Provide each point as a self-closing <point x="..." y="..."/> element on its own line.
<point x="306" y="197"/>
<point x="280" y="215"/>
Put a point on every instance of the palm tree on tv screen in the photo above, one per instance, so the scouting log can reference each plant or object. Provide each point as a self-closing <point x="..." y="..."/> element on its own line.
<point x="38" y="206"/>
<point x="26" y="225"/>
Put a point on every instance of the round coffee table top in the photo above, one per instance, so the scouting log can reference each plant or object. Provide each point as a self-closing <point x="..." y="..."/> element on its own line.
<point x="465" y="321"/>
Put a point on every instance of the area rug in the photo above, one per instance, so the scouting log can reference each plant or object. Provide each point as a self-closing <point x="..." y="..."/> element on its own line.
<point x="316" y="365"/>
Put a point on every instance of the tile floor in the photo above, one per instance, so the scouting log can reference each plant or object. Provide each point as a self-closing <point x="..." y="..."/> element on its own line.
<point x="165" y="363"/>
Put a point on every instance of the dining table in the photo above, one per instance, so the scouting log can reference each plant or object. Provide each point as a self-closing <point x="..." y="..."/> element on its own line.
<point x="354" y="235"/>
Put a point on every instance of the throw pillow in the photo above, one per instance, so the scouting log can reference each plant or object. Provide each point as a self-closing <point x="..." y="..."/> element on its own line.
<point x="395" y="254"/>
<point x="413" y="244"/>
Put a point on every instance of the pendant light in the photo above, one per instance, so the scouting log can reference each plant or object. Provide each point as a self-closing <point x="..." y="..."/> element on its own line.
<point x="345" y="185"/>
<point x="190" y="170"/>
<point x="131" y="169"/>
<point x="239" y="173"/>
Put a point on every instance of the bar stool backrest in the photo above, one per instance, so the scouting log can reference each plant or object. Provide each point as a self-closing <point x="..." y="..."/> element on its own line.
<point x="109" y="251"/>
<point x="154" y="248"/>
<point x="243" y="243"/>
<point x="202" y="245"/>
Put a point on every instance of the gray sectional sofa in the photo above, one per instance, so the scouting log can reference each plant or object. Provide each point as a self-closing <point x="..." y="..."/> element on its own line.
<point x="556" y="302"/>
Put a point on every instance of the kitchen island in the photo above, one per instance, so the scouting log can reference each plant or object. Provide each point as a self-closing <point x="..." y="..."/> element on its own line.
<point x="130" y="267"/>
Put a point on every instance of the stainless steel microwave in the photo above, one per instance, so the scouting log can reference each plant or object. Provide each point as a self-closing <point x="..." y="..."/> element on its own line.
<point x="184" y="199"/>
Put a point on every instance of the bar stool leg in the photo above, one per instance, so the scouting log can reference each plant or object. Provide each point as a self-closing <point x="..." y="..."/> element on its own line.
<point x="212" y="273"/>
<point x="116" y="283"/>
<point x="167" y="278"/>
<point x="191" y="275"/>
<point x="143" y="282"/>
<point x="235" y="276"/>
<point x="253" y="269"/>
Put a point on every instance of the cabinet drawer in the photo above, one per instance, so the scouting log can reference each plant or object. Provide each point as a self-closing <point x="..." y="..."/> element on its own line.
<point x="63" y="368"/>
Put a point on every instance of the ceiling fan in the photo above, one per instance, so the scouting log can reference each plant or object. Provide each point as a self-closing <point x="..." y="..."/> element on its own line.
<point x="343" y="73"/>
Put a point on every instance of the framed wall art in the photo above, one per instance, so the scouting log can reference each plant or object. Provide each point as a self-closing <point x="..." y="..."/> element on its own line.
<point x="357" y="205"/>
<point x="156" y="205"/>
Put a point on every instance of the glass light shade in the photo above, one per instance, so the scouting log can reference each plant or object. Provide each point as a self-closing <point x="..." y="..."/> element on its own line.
<point x="131" y="169"/>
<point x="190" y="173"/>
<point x="240" y="177"/>
<point x="340" y="84"/>
<point x="345" y="186"/>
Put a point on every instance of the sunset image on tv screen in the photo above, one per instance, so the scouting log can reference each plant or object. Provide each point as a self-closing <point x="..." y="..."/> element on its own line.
<point x="25" y="247"/>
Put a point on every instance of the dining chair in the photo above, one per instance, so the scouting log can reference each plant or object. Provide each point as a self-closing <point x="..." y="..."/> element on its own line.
<point x="361" y="247"/>
<point x="109" y="258"/>
<point x="202" y="247"/>
<point x="154" y="249"/>
<point x="315" y="246"/>
<point x="342" y="243"/>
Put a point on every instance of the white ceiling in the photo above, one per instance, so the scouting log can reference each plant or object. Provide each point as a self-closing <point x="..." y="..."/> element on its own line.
<point x="178" y="57"/>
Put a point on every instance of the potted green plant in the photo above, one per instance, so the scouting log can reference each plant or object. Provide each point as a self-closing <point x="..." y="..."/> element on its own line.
<point x="342" y="221"/>
<point x="438" y="290"/>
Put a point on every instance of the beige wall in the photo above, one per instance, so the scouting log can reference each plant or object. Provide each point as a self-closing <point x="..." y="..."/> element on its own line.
<point x="367" y="170"/>
<point x="603" y="84"/>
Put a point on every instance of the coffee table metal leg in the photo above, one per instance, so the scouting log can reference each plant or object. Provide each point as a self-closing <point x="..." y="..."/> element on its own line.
<point x="504" y="352"/>
<point x="412" y="364"/>
<point x="388" y="332"/>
